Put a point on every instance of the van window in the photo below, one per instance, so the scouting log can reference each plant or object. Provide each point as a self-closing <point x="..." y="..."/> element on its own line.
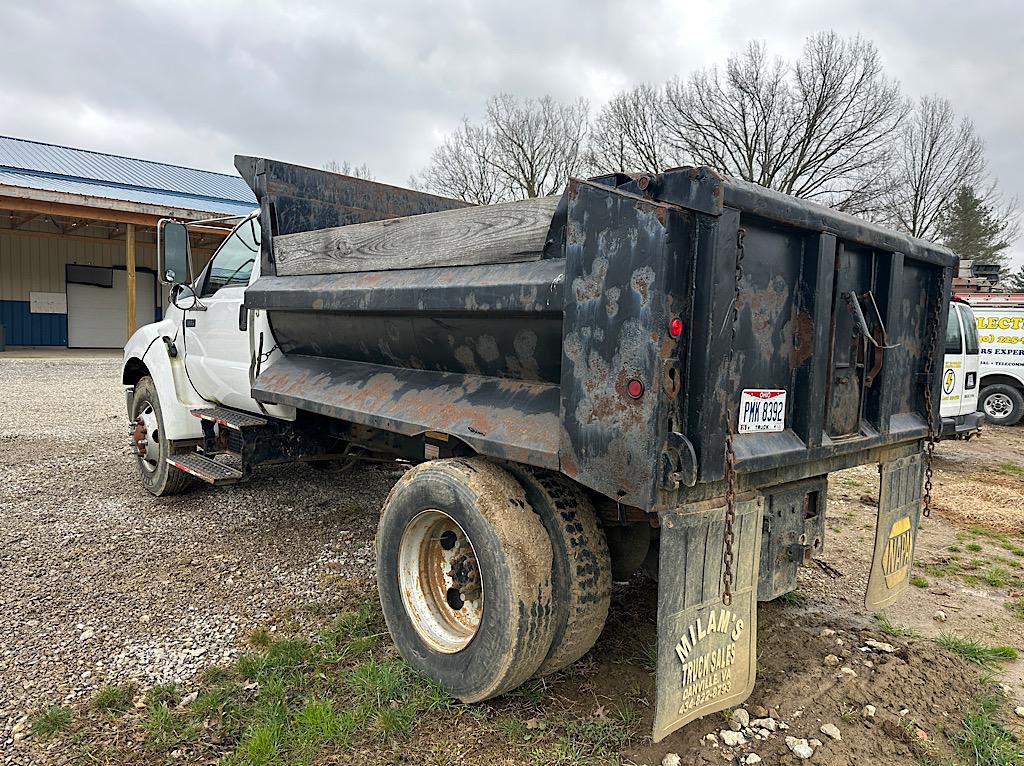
<point x="954" y="339"/>
<point x="970" y="329"/>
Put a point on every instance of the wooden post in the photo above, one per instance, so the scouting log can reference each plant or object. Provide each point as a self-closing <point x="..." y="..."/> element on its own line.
<point x="129" y="263"/>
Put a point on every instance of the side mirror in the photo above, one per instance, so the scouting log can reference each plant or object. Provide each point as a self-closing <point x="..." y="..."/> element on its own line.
<point x="184" y="297"/>
<point x="172" y="252"/>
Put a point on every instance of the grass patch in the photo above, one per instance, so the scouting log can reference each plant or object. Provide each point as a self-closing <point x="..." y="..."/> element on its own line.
<point x="1016" y="607"/>
<point x="163" y="694"/>
<point x="975" y="651"/>
<point x="890" y="628"/>
<point x="1011" y="469"/>
<point x="795" y="597"/>
<point x="918" y="581"/>
<point x="973" y="547"/>
<point x="997" y="577"/>
<point x="984" y="740"/>
<point x="51" y="721"/>
<point x="953" y="549"/>
<point x="165" y="729"/>
<point x="114" y="700"/>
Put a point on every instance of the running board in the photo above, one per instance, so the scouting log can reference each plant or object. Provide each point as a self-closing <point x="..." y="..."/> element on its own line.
<point x="206" y="469"/>
<point x="229" y="418"/>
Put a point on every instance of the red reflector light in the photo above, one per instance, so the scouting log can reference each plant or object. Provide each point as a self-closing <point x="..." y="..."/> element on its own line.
<point x="675" y="327"/>
<point x="635" y="388"/>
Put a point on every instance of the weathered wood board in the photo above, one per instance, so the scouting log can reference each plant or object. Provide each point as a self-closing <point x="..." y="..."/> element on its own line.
<point x="509" y="232"/>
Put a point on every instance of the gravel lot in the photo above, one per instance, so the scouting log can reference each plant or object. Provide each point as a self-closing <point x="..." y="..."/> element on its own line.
<point x="103" y="583"/>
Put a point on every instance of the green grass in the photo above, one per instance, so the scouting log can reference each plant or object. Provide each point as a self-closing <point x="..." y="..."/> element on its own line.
<point x="1016" y="607"/>
<point x="984" y="740"/>
<point x="918" y="581"/>
<point x="1011" y="469"/>
<point x="954" y="549"/>
<point x="975" y="651"/>
<point x="165" y="729"/>
<point x="51" y="721"/>
<point x="890" y="628"/>
<point x="795" y="597"/>
<point x="167" y="694"/>
<point x="973" y="547"/>
<point x="115" y="700"/>
<point x="997" y="577"/>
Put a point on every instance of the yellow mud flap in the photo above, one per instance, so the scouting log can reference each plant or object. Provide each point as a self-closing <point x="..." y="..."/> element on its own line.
<point x="899" y="510"/>
<point x="707" y="652"/>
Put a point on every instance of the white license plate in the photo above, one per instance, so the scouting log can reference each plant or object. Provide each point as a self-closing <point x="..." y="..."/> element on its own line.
<point x="762" y="410"/>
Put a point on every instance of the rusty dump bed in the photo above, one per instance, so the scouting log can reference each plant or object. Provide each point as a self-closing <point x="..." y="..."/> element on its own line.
<point x="517" y="329"/>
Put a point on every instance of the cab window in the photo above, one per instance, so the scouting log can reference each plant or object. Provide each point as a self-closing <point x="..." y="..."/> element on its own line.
<point x="954" y="338"/>
<point x="232" y="265"/>
<point x="970" y="329"/>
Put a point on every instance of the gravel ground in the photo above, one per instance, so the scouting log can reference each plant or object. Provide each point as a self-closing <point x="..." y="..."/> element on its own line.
<point x="103" y="583"/>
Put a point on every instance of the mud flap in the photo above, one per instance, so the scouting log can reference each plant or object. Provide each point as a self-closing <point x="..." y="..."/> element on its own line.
<point x="899" y="511"/>
<point x="707" y="652"/>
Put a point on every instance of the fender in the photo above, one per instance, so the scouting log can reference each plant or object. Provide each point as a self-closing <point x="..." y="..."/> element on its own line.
<point x="177" y="396"/>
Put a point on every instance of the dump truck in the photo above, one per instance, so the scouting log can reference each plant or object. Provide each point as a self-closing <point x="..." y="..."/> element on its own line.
<point x="648" y="371"/>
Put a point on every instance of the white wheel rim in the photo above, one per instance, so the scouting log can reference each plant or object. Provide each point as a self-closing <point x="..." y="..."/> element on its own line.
<point x="440" y="581"/>
<point x="998" y="405"/>
<point x="151" y="459"/>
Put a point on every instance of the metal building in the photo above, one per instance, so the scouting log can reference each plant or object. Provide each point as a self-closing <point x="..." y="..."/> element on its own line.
<point x="77" y="239"/>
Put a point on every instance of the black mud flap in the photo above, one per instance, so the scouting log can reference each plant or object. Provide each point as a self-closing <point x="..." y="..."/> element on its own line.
<point x="899" y="511"/>
<point x="707" y="652"/>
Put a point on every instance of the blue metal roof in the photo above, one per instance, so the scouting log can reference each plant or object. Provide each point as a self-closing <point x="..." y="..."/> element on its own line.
<point x="47" y="167"/>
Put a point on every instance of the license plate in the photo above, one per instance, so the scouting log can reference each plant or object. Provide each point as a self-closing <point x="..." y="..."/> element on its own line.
<point x="762" y="410"/>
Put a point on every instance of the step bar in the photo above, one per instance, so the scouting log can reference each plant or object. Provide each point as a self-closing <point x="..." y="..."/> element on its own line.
<point x="206" y="469"/>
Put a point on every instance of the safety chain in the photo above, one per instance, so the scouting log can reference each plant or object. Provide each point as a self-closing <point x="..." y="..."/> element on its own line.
<point x="730" y="452"/>
<point x="929" y="372"/>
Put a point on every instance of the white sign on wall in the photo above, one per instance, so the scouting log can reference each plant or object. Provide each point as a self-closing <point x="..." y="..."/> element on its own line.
<point x="48" y="303"/>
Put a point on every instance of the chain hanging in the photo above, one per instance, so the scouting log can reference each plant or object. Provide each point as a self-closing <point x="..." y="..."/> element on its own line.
<point x="929" y="375"/>
<point x="730" y="452"/>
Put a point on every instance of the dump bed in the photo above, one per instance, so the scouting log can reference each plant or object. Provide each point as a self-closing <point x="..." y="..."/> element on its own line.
<point x="542" y="331"/>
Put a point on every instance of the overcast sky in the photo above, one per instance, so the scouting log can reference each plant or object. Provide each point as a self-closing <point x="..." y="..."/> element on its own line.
<point x="382" y="82"/>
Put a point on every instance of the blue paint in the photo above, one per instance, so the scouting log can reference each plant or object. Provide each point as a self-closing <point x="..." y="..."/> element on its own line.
<point x="23" y="328"/>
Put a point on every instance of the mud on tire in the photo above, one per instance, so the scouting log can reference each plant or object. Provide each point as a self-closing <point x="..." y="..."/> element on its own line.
<point x="465" y="506"/>
<point x="581" y="570"/>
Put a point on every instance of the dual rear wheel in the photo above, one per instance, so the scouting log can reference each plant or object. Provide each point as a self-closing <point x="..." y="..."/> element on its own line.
<point x="489" y="575"/>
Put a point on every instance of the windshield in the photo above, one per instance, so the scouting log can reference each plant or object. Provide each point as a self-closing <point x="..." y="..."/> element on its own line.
<point x="232" y="265"/>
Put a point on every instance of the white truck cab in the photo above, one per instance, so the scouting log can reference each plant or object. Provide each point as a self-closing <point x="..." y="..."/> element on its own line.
<point x="203" y="353"/>
<point x="959" y="405"/>
<point x="1000" y="323"/>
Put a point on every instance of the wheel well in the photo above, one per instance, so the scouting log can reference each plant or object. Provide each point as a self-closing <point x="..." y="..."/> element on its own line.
<point x="1006" y="380"/>
<point x="134" y="371"/>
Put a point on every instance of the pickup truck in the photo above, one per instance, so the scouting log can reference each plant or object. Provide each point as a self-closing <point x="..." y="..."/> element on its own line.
<point x="654" y="371"/>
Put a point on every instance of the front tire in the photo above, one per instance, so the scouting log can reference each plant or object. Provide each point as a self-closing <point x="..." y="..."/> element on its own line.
<point x="1003" y="405"/>
<point x="151" y="448"/>
<point x="464" y="576"/>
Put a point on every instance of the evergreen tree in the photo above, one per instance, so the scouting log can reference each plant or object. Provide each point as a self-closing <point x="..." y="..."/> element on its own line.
<point x="1013" y="283"/>
<point x="972" y="229"/>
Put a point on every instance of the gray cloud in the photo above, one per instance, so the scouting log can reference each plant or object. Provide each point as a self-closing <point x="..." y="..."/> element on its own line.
<point x="381" y="82"/>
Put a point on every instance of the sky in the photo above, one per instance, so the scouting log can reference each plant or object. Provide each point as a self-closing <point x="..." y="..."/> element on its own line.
<point x="382" y="82"/>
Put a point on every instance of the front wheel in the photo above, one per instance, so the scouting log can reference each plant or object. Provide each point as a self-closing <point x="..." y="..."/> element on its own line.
<point x="150" y="447"/>
<point x="464" y="576"/>
<point x="1003" y="405"/>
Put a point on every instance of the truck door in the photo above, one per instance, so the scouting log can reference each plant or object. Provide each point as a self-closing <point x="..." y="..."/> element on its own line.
<point x="217" y="353"/>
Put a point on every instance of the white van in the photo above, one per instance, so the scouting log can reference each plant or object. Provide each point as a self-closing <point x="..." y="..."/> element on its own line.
<point x="1000" y="325"/>
<point x="960" y="374"/>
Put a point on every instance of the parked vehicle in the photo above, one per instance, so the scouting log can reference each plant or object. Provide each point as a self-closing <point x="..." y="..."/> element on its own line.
<point x="656" y="367"/>
<point x="960" y="418"/>
<point x="1000" y="322"/>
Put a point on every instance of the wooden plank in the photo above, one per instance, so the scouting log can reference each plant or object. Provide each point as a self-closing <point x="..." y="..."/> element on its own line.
<point x="129" y="264"/>
<point x="510" y="232"/>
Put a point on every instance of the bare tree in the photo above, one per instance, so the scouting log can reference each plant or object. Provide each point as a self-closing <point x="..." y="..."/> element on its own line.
<point x="525" y="148"/>
<point x="818" y="128"/>
<point x="346" y="168"/>
<point x="628" y="133"/>
<point x="463" y="167"/>
<point x="936" y="154"/>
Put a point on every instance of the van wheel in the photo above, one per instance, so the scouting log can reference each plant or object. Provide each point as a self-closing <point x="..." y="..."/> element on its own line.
<point x="1003" y="405"/>
<point x="581" y="577"/>
<point x="149" y="445"/>
<point x="464" y="577"/>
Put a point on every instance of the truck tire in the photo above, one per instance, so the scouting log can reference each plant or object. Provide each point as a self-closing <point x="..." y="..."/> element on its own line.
<point x="456" y="535"/>
<point x="1003" y="405"/>
<point x="581" y="567"/>
<point x="157" y="476"/>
